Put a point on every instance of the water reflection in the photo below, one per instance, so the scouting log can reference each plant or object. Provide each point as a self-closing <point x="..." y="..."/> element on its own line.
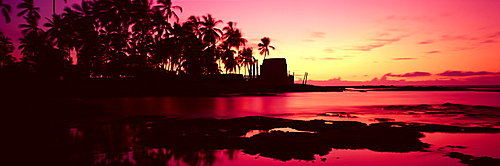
<point x="288" y="103"/>
<point x="151" y="140"/>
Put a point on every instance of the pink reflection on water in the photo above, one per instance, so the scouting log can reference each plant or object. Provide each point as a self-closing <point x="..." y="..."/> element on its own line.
<point x="286" y="104"/>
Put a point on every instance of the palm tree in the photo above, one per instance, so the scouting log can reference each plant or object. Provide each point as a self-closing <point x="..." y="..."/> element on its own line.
<point x="210" y="33"/>
<point x="233" y="36"/>
<point x="168" y="10"/>
<point x="230" y="62"/>
<point x="264" y="46"/>
<point x="246" y="58"/>
<point x="5" y="11"/>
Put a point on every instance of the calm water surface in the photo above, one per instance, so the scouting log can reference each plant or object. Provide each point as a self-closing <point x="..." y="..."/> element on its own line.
<point x="286" y="103"/>
<point x="362" y="107"/>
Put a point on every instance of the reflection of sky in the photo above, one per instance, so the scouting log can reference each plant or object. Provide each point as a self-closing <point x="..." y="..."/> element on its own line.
<point x="356" y="40"/>
<point x="289" y="104"/>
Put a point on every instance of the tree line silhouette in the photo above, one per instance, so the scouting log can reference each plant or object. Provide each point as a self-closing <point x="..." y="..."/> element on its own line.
<point x="124" y="38"/>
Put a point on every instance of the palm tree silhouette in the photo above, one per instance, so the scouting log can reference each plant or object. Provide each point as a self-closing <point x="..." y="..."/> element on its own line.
<point x="233" y="36"/>
<point x="246" y="58"/>
<point x="210" y="33"/>
<point x="232" y="39"/>
<point x="168" y="10"/>
<point x="5" y="11"/>
<point x="264" y="46"/>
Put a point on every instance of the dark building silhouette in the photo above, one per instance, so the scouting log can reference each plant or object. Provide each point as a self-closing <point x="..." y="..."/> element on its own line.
<point x="274" y="71"/>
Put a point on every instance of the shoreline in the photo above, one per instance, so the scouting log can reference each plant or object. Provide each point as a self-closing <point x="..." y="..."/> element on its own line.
<point x="187" y="88"/>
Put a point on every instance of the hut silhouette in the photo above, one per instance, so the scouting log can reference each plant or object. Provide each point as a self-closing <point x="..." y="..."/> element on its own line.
<point x="274" y="71"/>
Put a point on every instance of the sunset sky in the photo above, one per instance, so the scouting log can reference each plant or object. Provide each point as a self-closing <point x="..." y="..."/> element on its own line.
<point x="358" y="40"/>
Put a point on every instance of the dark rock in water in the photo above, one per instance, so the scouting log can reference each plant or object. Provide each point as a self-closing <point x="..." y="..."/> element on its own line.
<point x="220" y="134"/>
<point x="384" y="119"/>
<point x="474" y="161"/>
<point x="339" y="114"/>
<point x="459" y="147"/>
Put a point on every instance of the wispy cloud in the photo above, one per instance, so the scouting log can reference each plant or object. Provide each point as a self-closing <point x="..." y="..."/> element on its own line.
<point x="407" y="18"/>
<point x="381" y="41"/>
<point x="317" y="34"/>
<point x="426" y="42"/>
<point x="414" y="74"/>
<point x="366" y="47"/>
<point x="402" y="59"/>
<point x="320" y="58"/>
<point x="331" y="58"/>
<point x="328" y="50"/>
<point x="466" y="73"/>
<point x="474" y="40"/>
<point x="433" y="52"/>
<point x="459" y="37"/>
<point x="493" y="35"/>
<point x="488" y="41"/>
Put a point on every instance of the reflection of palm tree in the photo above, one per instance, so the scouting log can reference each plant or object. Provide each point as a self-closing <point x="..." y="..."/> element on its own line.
<point x="6" y="48"/>
<point x="264" y="46"/>
<point x="29" y="9"/>
<point x="54" y="6"/>
<point x="60" y="34"/>
<point x="5" y="11"/>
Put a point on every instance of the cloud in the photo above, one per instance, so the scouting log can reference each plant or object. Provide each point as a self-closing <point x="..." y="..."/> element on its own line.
<point x="324" y="58"/>
<point x="414" y="74"/>
<point x="433" y="52"/>
<point x="380" y="43"/>
<point x="331" y="58"/>
<point x="365" y="48"/>
<point x="308" y="40"/>
<point x="407" y="18"/>
<point x="466" y="73"/>
<point x="328" y="50"/>
<point x="399" y="59"/>
<point x="308" y="58"/>
<point x="461" y="37"/>
<point x="317" y="34"/>
<point x="426" y="42"/>
<point x="493" y="35"/>
<point x="462" y="48"/>
<point x="488" y="41"/>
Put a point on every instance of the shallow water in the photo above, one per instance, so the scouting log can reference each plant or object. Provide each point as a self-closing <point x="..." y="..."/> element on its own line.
<point x="370" y="107"/>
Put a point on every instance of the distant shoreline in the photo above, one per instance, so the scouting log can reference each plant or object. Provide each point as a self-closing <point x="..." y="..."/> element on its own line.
<point x="151" y="88"/>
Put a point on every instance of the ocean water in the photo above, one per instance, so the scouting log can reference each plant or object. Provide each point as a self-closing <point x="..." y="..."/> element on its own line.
<point x="464" y="109"/>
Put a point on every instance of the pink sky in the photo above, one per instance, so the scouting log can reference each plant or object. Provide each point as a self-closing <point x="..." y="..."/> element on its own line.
<point x="358" y="40"/>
